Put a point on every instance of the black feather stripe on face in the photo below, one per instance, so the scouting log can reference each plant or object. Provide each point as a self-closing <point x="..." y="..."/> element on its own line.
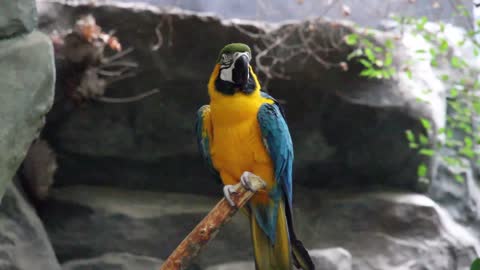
<point x="229" y="88"/>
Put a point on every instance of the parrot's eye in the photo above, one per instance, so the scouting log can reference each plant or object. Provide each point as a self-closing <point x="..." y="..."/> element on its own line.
<point x="227" y="59"/>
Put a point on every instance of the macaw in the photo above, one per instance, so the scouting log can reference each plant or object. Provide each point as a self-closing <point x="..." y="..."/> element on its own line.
<point x="243" y="131"/>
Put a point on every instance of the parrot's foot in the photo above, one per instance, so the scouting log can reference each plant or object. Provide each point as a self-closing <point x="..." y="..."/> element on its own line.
<point x="245" y="180"/>
<point x="227" y="190"/>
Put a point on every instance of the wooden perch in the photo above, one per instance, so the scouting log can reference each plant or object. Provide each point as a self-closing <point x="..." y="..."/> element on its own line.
<point x="207" y="229"/>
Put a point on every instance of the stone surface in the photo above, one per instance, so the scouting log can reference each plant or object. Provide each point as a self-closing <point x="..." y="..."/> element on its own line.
<point x="347" y="131"/>
<point x="332" y="259"/>
<point x="373" y="11"/>
<point x="114" y="261"/>
<point x="26" y="94"/>
<point x="324" y="259"/>
<point x="17" y="17"/>
<point x="233" y="266"/>
<point x="23" y="241"/>
<point x="381" y="230"/>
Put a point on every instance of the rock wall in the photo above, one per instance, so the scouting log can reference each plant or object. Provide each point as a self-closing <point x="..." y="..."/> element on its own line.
<point x="130" y="175"/>
<point x="381" y="230"/>
<point x="363" y="12"/>
<point x="27" y="77"/>
<point x="344" y="128"/>
<point x="24" y="243"/>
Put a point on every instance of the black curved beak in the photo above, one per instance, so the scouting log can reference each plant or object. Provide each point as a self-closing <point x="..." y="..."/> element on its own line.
<point x="241" y="72"/>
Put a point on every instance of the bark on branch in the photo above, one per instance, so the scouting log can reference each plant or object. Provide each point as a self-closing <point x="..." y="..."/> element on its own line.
<point x="207" y="229"/>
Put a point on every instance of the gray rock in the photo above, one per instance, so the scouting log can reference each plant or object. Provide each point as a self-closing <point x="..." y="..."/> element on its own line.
<point x="233" y="266"/>
<point x="114" y="261"/>
<point x="461" y="199"/>
<point x="23" y="241"/>
<point x="332" y="259"/>
<point x="282" y="11"/>
<point x="324" y="259"/>
<point x="143" y="223"/>
<point x="345" y="128"/>
<point x="17" y="17"/>
<point x="26" y="94"/>
<point x="381" y="230"/>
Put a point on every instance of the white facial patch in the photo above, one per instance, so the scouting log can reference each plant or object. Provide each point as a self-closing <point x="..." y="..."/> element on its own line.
<point x="227" y="65"/>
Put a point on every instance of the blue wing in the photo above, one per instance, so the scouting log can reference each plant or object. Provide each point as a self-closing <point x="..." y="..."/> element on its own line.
<point x="277" y="139"/>
<point x="203" y="130"/>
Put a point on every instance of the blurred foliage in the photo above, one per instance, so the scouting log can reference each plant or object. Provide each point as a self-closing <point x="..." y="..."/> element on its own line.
<point x="475" y="265"/>
<point x="376" y="59"/>
<point x="456" y="143"/>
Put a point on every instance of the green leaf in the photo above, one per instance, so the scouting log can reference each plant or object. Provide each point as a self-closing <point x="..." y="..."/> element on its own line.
<point x="453" y="93"/>
<point x="389" y="44"/>
<point x="456" y="62"/>
<point x="370" y="55"/>
<point x="378" y="49"/>
<point x="386" y="74"/>
<point x="476" y="262"/>
<point x="365" y="63"/>
<point x="351" y="39"/>
<point x="421" y="23"/>
<point x="468" y="142"/>
<point x="459" y="178"/>
<point x="427" y="152"/>
<point x="476" y="106"/>
<point x="355" y="53"/>
<point x="442" y="27"/>
<point x="367" y="43"/>
<point x="410" y="135"/>
<point x="451" y="161"/>
<point x="422" y="170"/>
<point x="423" y="139"/>
<point x="426" y="123"/>
<point x="449" y="133"/>
<point x="421" y="51"/>
<point x="409" y="73"/>
<point x="445" y="77"/>
<point x="476" y="85"/>
<point x="367" y="73"/>
<point x="443" y="46"/>
<point x="388" y="59"/>
<point x="467" y="152"/>
<point x="392" y="70"/>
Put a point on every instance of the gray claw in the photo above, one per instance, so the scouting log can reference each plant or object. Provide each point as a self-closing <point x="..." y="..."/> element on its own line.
<point x="244" y="179"/>
<point x="227" y="190"/>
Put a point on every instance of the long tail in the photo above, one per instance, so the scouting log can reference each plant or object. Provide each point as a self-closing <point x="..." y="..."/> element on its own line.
<point x="279" y="256"/>
<point x="268" y="256"/>
<point x="301" y="258"/>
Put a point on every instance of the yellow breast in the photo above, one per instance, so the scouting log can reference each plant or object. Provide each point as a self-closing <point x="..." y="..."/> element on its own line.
<point x="236" y="143"/>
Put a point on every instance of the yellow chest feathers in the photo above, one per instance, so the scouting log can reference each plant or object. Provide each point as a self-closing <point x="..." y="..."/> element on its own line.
<point x="237" y="144"/>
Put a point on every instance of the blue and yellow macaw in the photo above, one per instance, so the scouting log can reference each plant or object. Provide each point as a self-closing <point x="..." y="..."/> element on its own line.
<point x="243" y="131"/>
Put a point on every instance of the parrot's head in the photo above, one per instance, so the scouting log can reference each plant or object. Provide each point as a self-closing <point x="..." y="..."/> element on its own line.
<point x="233" y="73"/>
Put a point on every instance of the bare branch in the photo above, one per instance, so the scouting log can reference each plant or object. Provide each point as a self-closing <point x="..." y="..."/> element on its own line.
<point x="127" y="99"/>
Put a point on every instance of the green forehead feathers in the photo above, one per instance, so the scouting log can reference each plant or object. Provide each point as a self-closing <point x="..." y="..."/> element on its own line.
<point x="234" y="47"/>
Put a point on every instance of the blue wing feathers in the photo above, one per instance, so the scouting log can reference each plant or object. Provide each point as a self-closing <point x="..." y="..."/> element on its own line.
<point x="279" y="144"/>
<point x="203" y="141"/>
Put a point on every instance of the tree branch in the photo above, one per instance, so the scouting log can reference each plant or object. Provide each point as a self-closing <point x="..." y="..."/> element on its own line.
<point x="207" y="229"/>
